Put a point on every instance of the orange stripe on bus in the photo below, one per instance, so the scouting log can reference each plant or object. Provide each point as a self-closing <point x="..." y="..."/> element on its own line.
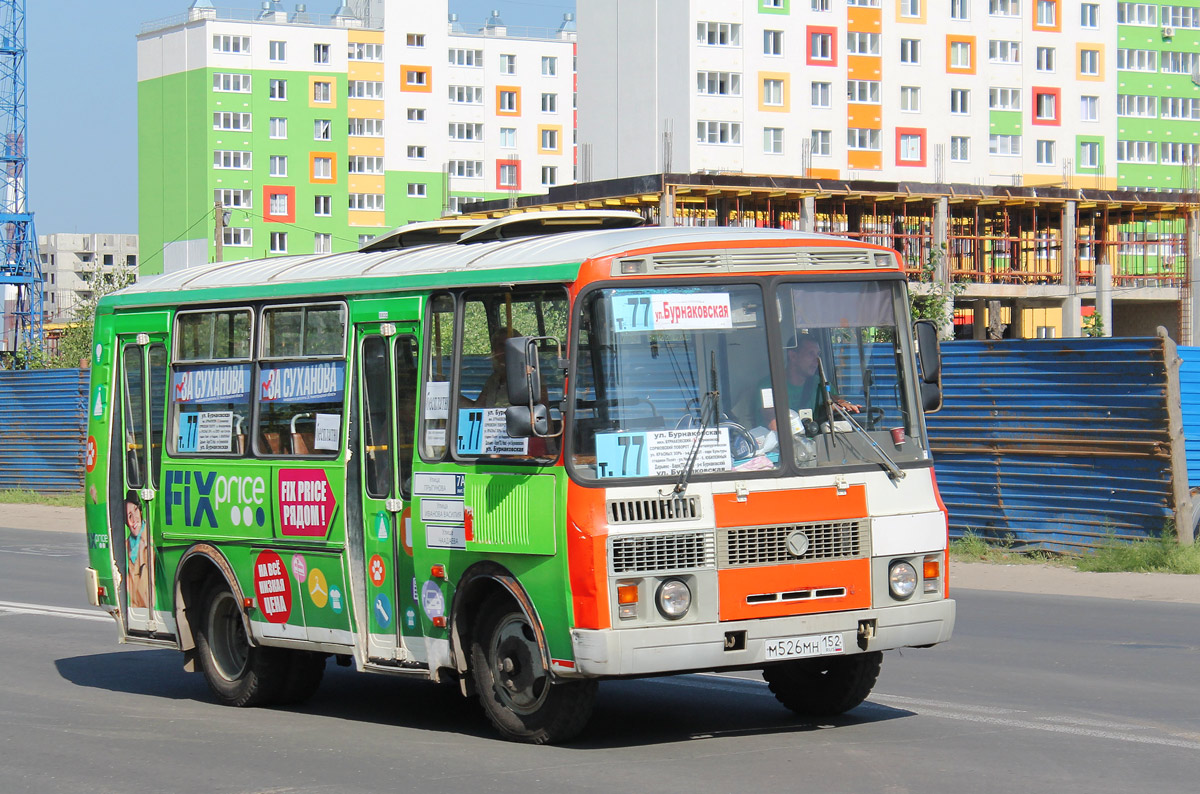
<point x="587" y="559"/>
<point x="736" y="584"/>
<point x="765" y="508"/>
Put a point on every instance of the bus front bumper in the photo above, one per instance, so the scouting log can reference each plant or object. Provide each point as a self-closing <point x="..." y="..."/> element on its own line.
<point x="702" y="646"/>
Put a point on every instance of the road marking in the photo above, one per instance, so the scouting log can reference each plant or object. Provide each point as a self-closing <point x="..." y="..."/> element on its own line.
<point x="984" y="715"/>
<point x="39" y="552"/>
<point x="17" y="608"/>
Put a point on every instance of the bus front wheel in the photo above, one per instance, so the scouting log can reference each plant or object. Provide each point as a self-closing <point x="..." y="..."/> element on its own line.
<point x="514" y="686"/>
<point x="238" y="673"/>
<point x="825" y="685"/>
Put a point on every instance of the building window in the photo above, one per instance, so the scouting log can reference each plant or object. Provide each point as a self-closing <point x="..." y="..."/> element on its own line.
<point x="1137" y="105"/>
<point x="820" y="46"/>
<point x="508" y="137"/>
<point x="960" y="149"/>
<point x="470" y="58"/>
<point x="772" y="42"/>
<point x="371" y="201"/>
<point x="1045" y="152"/>
<point x="1181" y="16"/>
<point x="911" y="148"/>
<point x="773" y="140"/>
<point x="1047" y="13"/>
<point x="322" y="130"/>
<point x="277" y="51"/>
<point x="822" y="95"/>
<point x="416" y="114"/>
<point x="416" y="152"/>
<point x="364" y="164"/>
<point x="416" y="190"/>
<point x="231" y="83"/>
<point x="508" y="64"/>
<point x="910" y="99"/>
<point x="821" y="142"/>
<point x="817" y="5"/>
<point x="960" y="55"/>
<point x="234" y="199"/>
<point x="322" y="243"/>
<point x="549" y="140"/>
<point x="1137" y="60"/>
<point x="416" y="77"/>
<point x="910" y="51"/>
<point x="322" y="91"/>
<point x="279" y="204"/>
<point x="1004" y="51"/>
<point x="365" y="128"/>
<point x="415" y="40"/>
<point x="364" y="89"/>
<point x="549" y="103"/>
<point x="1045" y="59"/>
<point x="549" y="175"/>
<point x="1136" y="14"/>
<point x="467" y="169"/>
<point x="232" y="122"/>
<point x="1004" y="98"/>
<point x="1006" y="145"/>
<point x="772" y="92"/>
<point x="1045" y="106"/>
<point x="1089" y="108"/>
<point x="322" y="206"/>
<point x="862" y="43"/>
<point x="466" y="94"/>
<point x="1176" y="107"/>
<point x="320" y="53"/>
<point x="960" y="9"/>
<point x="1137" y="152"/>
<point x="863" y="92"/>
<point x="719" y="83"/>
<point x="322" y="168"/>
<point x="960" y="101"/>
<point x="278" y="165"/>
<point x="1089" y="62"/>
<point x="508" y="175"/>
<point x="360" y="51"/>
<point x="277" y="89"/>
<point x="719" y="132"/>
<point x="910" y="8"/>
<point x="279" y="242"/>
<point x="465" y="131"/>
<point x="1181" y="63"/>
<point x="237" y="237"/>
<point x="1089" y="154"/>
<point x="232" y="45"/>
<point x="549" y="66"/>
<point x="719" y="34"/>
<point x="508" y="101"/>
<point x="863" y="140"/>
<point x="1004" y="8"/>
<point x="1179" y="153"/>
<point x="1089" y="15"/>
<point x="237" y="161"/>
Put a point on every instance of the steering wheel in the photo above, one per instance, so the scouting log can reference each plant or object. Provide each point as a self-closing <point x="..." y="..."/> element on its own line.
<point x="741" y="442"/>
<point x="875" y="417"/>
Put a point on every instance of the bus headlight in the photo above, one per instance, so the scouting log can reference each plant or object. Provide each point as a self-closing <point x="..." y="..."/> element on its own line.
<point x="674" y="599"/>
<point x="902" y="580"/>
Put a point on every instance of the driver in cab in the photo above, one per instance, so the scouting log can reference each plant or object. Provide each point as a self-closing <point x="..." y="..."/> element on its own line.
<point x="803" y="356"/>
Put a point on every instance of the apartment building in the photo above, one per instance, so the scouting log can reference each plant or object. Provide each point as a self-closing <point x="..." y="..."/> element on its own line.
<point x="989" y="92"/>
<point x="315" y="132"/>
<point x="73" y="265"/>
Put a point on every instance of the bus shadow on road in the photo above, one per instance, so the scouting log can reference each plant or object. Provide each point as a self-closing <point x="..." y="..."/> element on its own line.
<point x="628" y="713"/>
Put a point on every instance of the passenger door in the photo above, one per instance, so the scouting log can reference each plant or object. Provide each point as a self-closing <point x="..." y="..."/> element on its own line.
<point x="141" y="402"/>
<point x="388" y="356"/>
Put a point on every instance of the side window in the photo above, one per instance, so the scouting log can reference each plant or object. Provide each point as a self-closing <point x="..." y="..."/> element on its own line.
<point x="301" y="380"/>
<point x="210" y="383"/>
<point x="377" y="418"/>
<point x="439" y="358"/>
<point x="490" y="319"/>
<point x="406" y="408"/>
<point x="157" y="365"/>
<point x="133" y="399"/>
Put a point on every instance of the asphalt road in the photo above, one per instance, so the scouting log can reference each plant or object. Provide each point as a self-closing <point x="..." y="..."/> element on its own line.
<point x="1034" y="693"/>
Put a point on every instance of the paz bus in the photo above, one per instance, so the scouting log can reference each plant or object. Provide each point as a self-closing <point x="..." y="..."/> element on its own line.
<point x="522" y="455"/>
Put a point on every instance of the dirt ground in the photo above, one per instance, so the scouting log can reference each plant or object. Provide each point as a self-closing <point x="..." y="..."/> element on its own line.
<point x="1044" y="579"/>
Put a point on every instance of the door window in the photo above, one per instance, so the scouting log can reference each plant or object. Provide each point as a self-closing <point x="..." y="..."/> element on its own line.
<point x="377" y="419"/>
<point x="133" y="381"/>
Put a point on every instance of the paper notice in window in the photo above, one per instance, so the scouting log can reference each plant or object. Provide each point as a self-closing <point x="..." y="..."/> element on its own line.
<point x="437" y="400"/>
<point x="329" y="427"/>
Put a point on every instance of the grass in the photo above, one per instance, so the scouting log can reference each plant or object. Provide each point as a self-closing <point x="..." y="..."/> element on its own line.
<point x="14" y="497"/>
<point x="1158" y="555"/>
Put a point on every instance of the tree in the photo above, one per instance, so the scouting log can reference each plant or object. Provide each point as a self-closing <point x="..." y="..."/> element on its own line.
<point x="1093" y="325"/>
<point x="75" y="345"/>
<point x="928" y="297"/>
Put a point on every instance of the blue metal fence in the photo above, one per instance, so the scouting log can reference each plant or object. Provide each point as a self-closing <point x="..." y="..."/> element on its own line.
<point x="43" y="421"/>
<point x="1189" y="399"/>
<point x="1055" y="444"/>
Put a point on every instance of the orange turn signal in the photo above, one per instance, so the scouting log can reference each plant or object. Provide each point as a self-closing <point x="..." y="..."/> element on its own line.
<point x="933" y="568"/>
<point x="440" y="621"/>
<point x="438" y="571"/>
<point x="627" y="593"/>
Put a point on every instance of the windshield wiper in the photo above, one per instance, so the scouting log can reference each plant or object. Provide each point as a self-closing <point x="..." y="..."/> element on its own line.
<point x="711" y="401"/>
<point x="894" y="471"/>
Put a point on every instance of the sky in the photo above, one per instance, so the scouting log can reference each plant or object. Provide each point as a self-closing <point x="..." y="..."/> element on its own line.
<point x="82" y="97"/>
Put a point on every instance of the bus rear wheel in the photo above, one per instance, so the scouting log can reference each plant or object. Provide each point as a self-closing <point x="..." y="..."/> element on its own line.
<point x="238" y="673"/>
<point x="826" y="685"/>
<point x="516" y="690"/>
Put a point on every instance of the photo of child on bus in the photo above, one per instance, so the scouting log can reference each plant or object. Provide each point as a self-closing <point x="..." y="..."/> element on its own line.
<point x="137" y="545"/>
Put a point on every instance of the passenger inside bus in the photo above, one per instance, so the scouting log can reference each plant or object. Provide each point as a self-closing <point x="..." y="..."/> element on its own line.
<point x="494" y="393"/>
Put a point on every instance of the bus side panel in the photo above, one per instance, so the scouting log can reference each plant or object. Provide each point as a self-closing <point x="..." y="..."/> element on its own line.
<point x="96" y="461"/>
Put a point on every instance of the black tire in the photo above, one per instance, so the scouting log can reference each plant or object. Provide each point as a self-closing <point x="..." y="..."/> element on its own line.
<point x="824" y="686"/>
<point x="516" y="691"/>
<point x="305" y="669"/>
<point x="238" y="673"/>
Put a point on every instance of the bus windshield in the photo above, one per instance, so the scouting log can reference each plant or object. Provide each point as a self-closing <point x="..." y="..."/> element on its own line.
<point x="675" y="379"/>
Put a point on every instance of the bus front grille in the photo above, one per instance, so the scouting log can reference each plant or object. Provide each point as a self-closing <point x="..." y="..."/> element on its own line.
<point x="822" y="540"/>
<point x="678" y="551"/>
<point x="645" y="511"/>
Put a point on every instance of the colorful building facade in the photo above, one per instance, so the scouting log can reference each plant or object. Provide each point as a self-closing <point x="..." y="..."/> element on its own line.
<point x="316" y="132"/>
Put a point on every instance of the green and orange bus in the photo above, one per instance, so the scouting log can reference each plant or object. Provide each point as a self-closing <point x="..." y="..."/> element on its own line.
<point x="523" y="455"/>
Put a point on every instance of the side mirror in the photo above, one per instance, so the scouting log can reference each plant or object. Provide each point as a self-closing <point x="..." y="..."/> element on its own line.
<point x="929" y="352"/>
<point x="523" y="377"/>
<point x="520" y="422"/>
